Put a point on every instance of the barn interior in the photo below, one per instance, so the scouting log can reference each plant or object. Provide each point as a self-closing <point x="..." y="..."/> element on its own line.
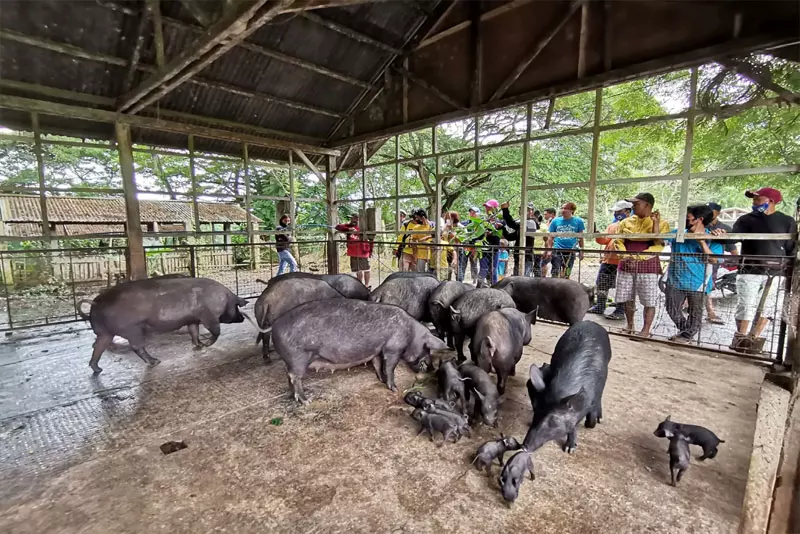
<point x="322" y="88"/>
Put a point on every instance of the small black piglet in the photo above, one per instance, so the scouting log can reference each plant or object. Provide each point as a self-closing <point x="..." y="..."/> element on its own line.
<point x="696" y="435"/>
<point x="679" y="457"/>
<point x="513" y="474"/>
<point x="494" y="450"/>
<point x="435" y="422"/>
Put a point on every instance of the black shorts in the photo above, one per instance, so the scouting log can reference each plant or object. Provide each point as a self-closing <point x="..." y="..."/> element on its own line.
<point x="606" y="277"/>
<point x="359" y="264"/>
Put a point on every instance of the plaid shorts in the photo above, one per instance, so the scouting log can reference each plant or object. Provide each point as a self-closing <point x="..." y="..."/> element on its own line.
<point x="629" y="285"/>
<point x="358" y="264"/>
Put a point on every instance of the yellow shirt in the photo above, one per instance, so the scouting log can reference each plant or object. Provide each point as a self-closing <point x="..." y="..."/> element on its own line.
<point x="420" y="253"/>
<point x="635" y="225"/>
<point x="443" y="263"/>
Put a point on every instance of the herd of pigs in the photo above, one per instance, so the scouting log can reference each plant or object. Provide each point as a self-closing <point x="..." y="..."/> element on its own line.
<point x="330" y="322"/>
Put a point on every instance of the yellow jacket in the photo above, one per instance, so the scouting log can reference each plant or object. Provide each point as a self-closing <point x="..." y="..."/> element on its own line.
<point x="443" y="263"/>
<point x="420" y="253"/>
<point x="635" y="225"/>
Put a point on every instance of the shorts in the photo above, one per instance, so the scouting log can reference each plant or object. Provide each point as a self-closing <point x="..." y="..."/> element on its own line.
<point x="359" y="264"/>
<point x="606" y="277"/>
<point x="749" y="288"/>
<point x="645" y="285"/>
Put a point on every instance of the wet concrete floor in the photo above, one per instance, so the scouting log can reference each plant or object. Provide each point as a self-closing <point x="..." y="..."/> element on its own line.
<point x="81" y="454"/>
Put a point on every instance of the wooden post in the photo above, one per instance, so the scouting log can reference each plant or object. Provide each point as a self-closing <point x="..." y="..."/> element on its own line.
<point x="598" y="110"/>
<point x="397" y="188"/>
<point x="333" y="215"/>
<point x="293" y="206"/>
<point x="583" y="40"/>
<point x="405" y="91"/>
<point x="137" y="264"/>
<point x="477" y="57"/>
<point x="40" y="168"/>
<point x="195" y="207"/>
<point x="154" y="8"/>
<point x="363" y="175"/>
<point x="687" y="156"/>
<point x="255" y="256"/>
<point x="523" y="202"/>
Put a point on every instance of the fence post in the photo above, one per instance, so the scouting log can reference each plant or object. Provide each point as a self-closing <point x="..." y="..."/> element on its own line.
<point x="523" y="199"/>
<point x="333" y="215"/>
<point x="137" y="264"/>
<point x="687" y="157"/>
<point x="72" y="283"/>
<point x="193" y="261"/>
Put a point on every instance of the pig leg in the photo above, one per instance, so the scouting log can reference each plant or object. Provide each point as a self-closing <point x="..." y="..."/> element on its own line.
<point x="102" y="342"/>
<point x="572" y="441"/>
<point x="708" y="453"/>
<point x="136" y="339"/>
<point x="377" y="365"/>
<point x="530" y="469"/>
<point x="212" y="325"/>
<point x="501" y="382"/>
<point x="681" y="470"/>
<point x="296" y="382"/>
<point x="459" y="341"/>
<point x="674" y="473"/>
<point x="390" y="361"/>
<point x="194" y="333"/>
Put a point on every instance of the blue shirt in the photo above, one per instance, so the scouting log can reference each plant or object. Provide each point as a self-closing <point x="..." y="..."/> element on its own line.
<point x="501" y="267"/>
<point x="573" y="225"/>
<point x="691" y="273"/>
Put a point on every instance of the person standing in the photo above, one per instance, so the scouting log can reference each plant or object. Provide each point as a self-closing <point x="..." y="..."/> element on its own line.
<point x="488" y="263"/>
<point x="420" y="237"/>
<point x="638" y="272"/>
<point x="688" y="278"/>
<point x="358" y="249"/>
<point x="514" y="235"/>
<point x="502" y="260"/>
<point x="404" y="253"/>
<point x="563" y="253"/>
<point x="467" y="255"/>
<point x="727" y="246"/>
<point x="283" y="244"/>
<point x="545" y="265"/>
<point x="607" y="275"/>
<point x="760" y="259"/>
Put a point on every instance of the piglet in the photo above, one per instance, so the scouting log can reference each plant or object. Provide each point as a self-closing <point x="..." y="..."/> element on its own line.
<point x="679" y="457"/>
<point x="451" y="384"/>
<point x="487" y="398"/>
<point x="513" y="473"/>
<point x="494" y="450"/>
<point x="696" y="435"/>
<point x="435" y="422"/>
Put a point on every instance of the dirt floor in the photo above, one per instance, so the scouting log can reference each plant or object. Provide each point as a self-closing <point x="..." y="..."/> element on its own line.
<point x="82" y="455"/>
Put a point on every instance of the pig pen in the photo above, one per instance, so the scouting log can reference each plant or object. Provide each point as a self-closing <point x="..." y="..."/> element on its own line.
<point x="82" y="454"/>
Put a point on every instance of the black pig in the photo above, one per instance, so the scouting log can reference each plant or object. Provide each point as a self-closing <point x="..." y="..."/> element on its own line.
<point x="343" y="333"/>
<point x="349" y="286"/>
<point x="555" y="299"/>
<point x="284" y="293"/>
<point x="439" y="306"/>
<point x="408" y="274"/>
<point x="573" y="387"/>
<point x="679" y="457"/>
<point x="451" y="384"/>
<point x="486" y="398"/>
<point x="469" y="307"/>
<point x="434" y="422"/>
<point x="494" y="450"/>
<point x="696" y="435"/>
<point x="514" y="473"/>
<point x="497" y="342"/>
<point x="411" y="294"/>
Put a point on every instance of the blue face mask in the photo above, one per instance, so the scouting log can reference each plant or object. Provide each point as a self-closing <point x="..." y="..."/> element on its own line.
<point x="761" y="208"/>
<point x="620" y="216"/>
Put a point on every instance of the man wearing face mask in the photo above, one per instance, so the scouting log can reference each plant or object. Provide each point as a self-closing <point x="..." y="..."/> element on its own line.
<point x="760" y="258"/>
<point x="607" y="275"/>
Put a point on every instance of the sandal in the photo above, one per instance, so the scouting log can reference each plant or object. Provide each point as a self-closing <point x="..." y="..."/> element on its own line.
<point x="715" y="320"/>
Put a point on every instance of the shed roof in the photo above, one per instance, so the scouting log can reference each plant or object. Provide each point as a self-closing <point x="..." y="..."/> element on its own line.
<point x="26" y="209"/>
<point x="327" y="75"/>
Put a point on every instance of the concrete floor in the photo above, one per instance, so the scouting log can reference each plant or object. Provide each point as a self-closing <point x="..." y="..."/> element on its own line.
<point x="82" y="455"/>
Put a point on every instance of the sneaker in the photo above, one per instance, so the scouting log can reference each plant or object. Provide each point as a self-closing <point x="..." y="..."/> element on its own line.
<point x="617" y="315"/>
<point x="596" y="309"/>
<point x="679" y="339"/>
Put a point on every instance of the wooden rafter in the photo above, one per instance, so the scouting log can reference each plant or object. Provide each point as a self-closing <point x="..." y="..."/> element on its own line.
<point x="758" y="78"/>
<point x="534" y="52"/>
<point x="137" y="51"/>
<point x="441" y="95"/>
<point x="154" y="10"/>
<point x="349" y="32"/>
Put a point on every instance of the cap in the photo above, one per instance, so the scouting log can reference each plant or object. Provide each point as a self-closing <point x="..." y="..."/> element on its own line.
<point x="531" y="206"/>
<point x="772" y="194"/>
<point x="491" y="203"/>
<point x="644" y="197"/>
<point x="621" y="205"/>
<point x="476" y="210"/>
<point x="714" y="206"/>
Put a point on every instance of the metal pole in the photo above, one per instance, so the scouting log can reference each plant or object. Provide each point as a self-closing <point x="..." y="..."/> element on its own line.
<point x="363" y="177"/>
<point x="437" y="239"/>
<point x="687" y="156"/>
<point x="397" y="185"/>
<point x="598" y="105"/>
<point x="195" y="209"/>
<point x="41" y="170"/>
<point x="523" y="203"/>
<point x="333" y="216"/>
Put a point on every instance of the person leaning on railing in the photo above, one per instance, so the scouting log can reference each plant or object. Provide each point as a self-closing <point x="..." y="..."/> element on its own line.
<point x="760" y="258"/>
<point x="638" y="273"/>
<point x="607" y="274"/>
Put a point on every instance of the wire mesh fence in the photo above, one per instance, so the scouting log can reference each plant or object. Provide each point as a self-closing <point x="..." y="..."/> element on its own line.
<point x="693" y="299"/>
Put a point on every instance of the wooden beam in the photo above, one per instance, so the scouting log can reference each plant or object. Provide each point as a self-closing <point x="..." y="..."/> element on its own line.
<point x="37" y="148"/>
<point x="551" y="106"/>
<point x="435" y="26"/>
<point x="70" y="50"/>
<point x="583" y="40"/>
<point x="608" y="35"/>
<point x="489" y="15"/>
<point x="136" y="264"/>
<point x="635" y="71"/>
<point x="349" y="32"/>
<point x="229" y="34"/>
<point x="687" y="156"/>
<point x="195" y="189"/>
<point x="598" y="109"/>
<point x="441" y="95"/>
<point x="332" y="214"/>
<point x="137" y="52"/>
<point x="476" y="49"/>
<point x="313" y="168"/>
<point x="405" y="91"/>
<point x="154" y="9"/>
<point x="764" y="80"/>
<point x="98" y="115"/>
<point x="534" y="52"/>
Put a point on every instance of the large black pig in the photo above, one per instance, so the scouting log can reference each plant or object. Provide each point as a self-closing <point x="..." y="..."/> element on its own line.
<point x="411" y="294"/>
<point x="161" y="304"/>
<point x="408" y="274"/>
<point x="283" y="294"/>
<point x="339" y="334"/>
<point x="497" y="342"/>
<point x="557" y="299"/>
<point x="570" y="388"/>
<point x="439" y="306"/>
<point x="469" y="307"/>
<point x="345" y="284"/>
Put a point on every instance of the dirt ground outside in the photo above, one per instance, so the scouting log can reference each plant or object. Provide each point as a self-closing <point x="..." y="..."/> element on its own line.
<point x="82" y="455"/>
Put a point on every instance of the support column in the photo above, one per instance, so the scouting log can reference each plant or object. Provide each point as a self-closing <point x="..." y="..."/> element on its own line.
<point x="598" y="109"/>
<point x="137" y="264"/>
<point x="37" y="147"/>
<point x="523" y="197"/>
<point x="195" y="208"/>
<point x="687" y="156"/>
<point x="397" y="220"/>
<point x="255" y="256"/>
<point x="293" y="207"/>
<point x="433" y="257"/>
<point x="333" y="215"/>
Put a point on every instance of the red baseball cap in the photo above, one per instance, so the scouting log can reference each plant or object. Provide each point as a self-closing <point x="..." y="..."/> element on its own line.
<point x="772" y="194"/>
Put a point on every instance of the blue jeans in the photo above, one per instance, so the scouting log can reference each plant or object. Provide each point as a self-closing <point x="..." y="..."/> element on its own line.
<point x="565" y="258"/>
<point x="488" y="271"/>
<point x="286" y="258"/>
<point x="465" y="258"/>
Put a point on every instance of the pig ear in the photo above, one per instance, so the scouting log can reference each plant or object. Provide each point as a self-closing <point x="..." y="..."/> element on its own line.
<point x="531" y="317"/>
<point x="668" y="418"/>
<point x="537" y="379"/>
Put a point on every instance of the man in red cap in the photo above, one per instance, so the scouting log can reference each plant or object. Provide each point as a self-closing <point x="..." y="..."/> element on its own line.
<point x="760" y="258"/>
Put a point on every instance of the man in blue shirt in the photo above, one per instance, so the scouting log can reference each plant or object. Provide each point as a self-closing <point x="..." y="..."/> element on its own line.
<point x="689" y="275"/>
<point x="563" y="253"/>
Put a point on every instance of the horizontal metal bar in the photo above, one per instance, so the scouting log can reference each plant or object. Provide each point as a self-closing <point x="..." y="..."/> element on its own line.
<point x="666" y="237"/>
<point x="482" y="171"/>
<point x="372" y="199"/>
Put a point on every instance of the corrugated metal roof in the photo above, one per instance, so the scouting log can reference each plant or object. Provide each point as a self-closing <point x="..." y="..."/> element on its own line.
<point x="25" y="209"/>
